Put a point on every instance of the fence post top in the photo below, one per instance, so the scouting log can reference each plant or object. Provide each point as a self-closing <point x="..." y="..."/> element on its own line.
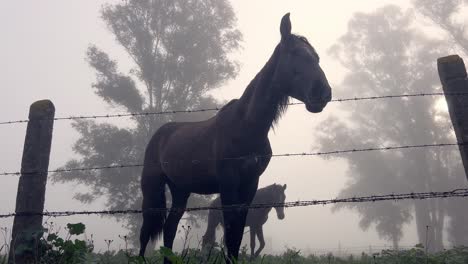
<point x="41" y="109"/>
<point x="448" y="59"/>
<point x="451" y="67"/>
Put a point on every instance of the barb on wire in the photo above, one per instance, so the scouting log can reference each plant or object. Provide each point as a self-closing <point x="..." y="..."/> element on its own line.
<point x="218" y="108"/>
<point x="75" y="169"/>
<point x="119" y="115"/>
<point x="361" y="199"/>
<point x="302" y="154"/>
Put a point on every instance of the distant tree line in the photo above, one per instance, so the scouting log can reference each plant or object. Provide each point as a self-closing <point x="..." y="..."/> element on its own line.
<point x="394" y="51"/>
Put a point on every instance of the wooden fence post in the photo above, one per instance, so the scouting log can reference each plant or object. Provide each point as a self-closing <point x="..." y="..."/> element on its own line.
<point x="452" y="73"/>
<point x="32" y="182"/>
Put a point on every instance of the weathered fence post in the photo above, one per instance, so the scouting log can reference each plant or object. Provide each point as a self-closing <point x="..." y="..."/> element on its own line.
<point x="32" y="182"/>
<point x="452" y="73"/>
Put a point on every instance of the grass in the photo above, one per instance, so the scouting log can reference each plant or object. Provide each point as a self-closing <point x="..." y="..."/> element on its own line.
<point x="51" y="248"/>
<point x="415" y="255"/>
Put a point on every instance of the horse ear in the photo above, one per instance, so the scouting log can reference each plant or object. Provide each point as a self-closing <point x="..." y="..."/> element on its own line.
<point x="284" y="187"/>
<point x="285" y="27"/>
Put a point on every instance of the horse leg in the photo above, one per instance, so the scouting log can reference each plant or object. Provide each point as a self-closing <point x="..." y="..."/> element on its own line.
<point x="153" y="188"/>
<point x="234" y="219"/>
<point x="252" y="242"/>
<point x="261" y="239"/>
<point x="179" y="201"/>
<point x="234" y="222"/>
<point x="210" y="234"/>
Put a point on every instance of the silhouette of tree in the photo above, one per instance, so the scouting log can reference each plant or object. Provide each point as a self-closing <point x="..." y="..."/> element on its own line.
<point x="388" y="52"/>
<point x="449" y="16"/>
<point x="179" y="50"/>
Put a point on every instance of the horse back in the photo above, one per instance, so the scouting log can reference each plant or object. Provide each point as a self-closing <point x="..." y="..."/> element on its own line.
<point x="185" y="152"/>
<point x="190" y="151"/>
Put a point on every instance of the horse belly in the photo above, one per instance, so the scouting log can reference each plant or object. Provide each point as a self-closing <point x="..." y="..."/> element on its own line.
<point x="197" y="177"/>
<point x="256" y="218"/>
<point x="254" y="166"/>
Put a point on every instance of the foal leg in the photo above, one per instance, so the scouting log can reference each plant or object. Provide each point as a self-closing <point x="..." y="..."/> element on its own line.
<point x="252" y="242"/>
<point x="261" y="240"/>
<point x="209" y="238"/>
<point x="179" y="200"/>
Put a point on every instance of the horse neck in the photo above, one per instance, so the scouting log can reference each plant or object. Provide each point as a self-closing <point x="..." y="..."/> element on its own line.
<point x="265" y="196"/>
<point x="263" y="100"/>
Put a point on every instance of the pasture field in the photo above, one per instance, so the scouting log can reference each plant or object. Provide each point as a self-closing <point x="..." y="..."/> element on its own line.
<point x="74" y="249"/>
<point x="413" y="256"/>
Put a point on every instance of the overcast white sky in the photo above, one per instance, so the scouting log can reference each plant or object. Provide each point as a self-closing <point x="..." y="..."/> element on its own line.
<point x="42" y="51"/>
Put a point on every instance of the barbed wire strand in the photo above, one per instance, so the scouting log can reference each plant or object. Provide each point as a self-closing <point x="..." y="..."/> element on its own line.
<point x="361" y="199"/>
<point x="218" y="108"/>
<point x="301" y="154"/>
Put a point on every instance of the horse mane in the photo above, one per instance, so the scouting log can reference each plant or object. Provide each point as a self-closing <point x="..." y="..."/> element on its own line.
<point x="282" y="101"/>
<point x="267" y="73"/>
<point x="230" y="103"/>
<point x="282" y="105"/>
<point x="280" y="110"/>
<point x="267" y="189"/>
<point x="304" y="39"/>
<point x="272" y="186"/>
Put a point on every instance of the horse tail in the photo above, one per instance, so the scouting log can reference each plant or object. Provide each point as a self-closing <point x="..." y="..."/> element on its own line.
<point x="214" y="218"/>
<point x="153" y="182"/>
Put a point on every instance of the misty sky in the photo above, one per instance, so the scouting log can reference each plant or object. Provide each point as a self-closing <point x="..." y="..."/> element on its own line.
<point x="42" y="56"/>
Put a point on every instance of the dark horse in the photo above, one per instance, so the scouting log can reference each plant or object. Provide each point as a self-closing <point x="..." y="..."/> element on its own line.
<point x="227" y="153"/>
<point x="256" y="218"/>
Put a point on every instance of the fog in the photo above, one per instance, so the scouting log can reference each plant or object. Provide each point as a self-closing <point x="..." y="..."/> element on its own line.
<point x="43" y="56"/>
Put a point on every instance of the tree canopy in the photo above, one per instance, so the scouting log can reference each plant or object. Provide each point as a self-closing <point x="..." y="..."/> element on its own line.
<point x="179" y="50"/>
<point x="389" y="52"/>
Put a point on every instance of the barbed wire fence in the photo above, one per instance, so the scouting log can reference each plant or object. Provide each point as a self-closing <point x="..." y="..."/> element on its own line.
<point x="301" y="154"/>
<point x="136" y="114"/>
<point x="456" y="193"/>
<point x="361" y="199"/>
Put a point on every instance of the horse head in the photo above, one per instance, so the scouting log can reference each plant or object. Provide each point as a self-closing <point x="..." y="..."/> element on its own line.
<point x="279" y="197"/>
<point x="300" y="71"/>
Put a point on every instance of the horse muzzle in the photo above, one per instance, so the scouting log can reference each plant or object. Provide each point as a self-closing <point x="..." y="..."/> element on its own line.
<point x="280" y="215"/>
<point x="316" y="105"/>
